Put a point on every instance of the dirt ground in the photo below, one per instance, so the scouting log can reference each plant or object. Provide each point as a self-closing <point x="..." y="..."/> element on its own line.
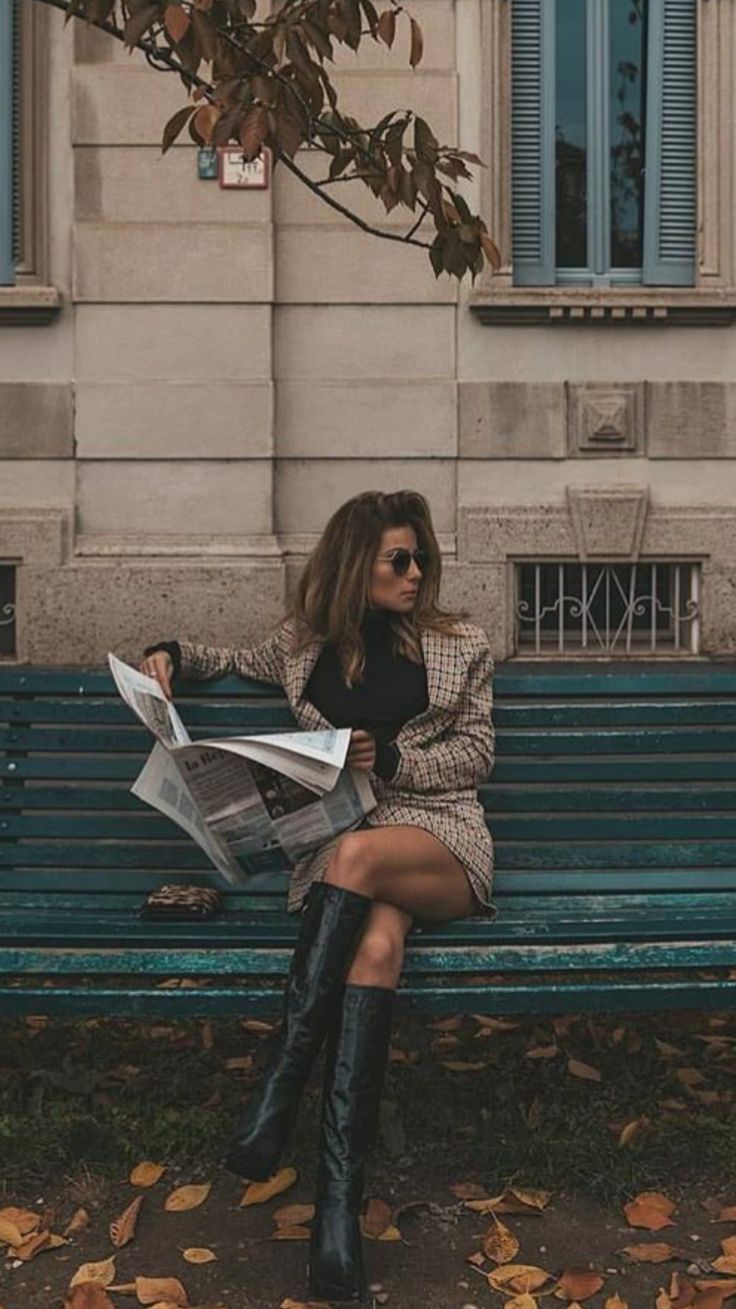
<point x="436" y="1260"/>
<point x="428" y="1267"/>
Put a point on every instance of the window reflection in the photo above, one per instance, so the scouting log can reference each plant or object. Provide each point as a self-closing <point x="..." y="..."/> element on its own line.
<point x="627" y="44"/>
<point x="570" y="133"/>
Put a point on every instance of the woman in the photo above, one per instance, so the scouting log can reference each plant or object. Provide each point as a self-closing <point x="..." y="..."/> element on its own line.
<point x="366" y="646"/>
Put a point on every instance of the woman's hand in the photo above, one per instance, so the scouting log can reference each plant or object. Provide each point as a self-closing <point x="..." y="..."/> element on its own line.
<point x="362" y="750"/>
<point x="160" y="666"/>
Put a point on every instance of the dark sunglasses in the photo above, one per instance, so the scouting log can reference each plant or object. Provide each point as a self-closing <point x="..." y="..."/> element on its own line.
<point x="400" y="560"/>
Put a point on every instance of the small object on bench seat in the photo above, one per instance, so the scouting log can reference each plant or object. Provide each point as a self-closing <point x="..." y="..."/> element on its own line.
<point x="182" y="902"/>
<point x="613" y="811"/>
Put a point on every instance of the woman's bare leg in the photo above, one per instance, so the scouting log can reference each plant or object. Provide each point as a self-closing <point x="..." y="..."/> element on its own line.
<point x="405" y="867"/>
<point x="380" y="953"/>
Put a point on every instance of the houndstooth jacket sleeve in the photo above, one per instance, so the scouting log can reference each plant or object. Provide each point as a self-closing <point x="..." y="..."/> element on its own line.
<point x="264" y="662"/>
<point x="464" y="758"/>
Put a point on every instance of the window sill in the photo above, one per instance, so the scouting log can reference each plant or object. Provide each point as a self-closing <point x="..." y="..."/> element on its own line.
<point x="29" y="305"/>
<point x="524" y="306"/>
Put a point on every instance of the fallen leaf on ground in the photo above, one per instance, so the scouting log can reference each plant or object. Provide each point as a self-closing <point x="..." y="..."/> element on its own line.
<point x="151" y="1289"/>
<point x="293" y="1213"/>
<point x="103" y="1273"/>
<point x="523" y="1301"/>
<point x="464" y="1065"/>
<point x="632" y="1129"/>
<point x="122" y="1229"/>
<point x="197" y="1254"/>
<point x="650" y="1209"/>
<point x="578" y="1284"/>
<point x="469" y="1191"/>
<point x="260" y="1192"/>
<point x="32" y="1245"/>
<point x="376" y="1218"/>
<point x="146" y="1173"/>
<point x="542" y="1052"/>
<point x="293" y="1232"/>
<point x="500" y="1243"/>
<point x="615" y="1302"/>
<point x="187" y="1197"/>
<point x="88" y="1295"/>
<point x="518" y="1278"/>
<point x="10" y="1233"/>
<point x="586" y="1071"/>
<point x="656" y="1252"/>
<point x="24" y="1219"/>
<point x="79" y="1222"/>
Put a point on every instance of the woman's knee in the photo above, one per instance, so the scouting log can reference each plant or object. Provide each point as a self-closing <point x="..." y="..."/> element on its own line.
<point x="351" y="863"/>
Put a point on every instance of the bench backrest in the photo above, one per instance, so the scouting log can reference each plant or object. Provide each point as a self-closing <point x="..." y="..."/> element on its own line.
<point x="606" y="779"/>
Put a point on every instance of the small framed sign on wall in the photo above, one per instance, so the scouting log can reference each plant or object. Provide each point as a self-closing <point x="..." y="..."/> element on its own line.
<point x="233" y="170"/>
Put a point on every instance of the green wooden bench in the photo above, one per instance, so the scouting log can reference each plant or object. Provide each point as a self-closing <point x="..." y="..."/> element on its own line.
<point x="612" y="805"/>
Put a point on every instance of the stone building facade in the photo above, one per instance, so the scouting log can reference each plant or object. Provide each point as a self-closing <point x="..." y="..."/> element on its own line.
<point x="192" y="378"/>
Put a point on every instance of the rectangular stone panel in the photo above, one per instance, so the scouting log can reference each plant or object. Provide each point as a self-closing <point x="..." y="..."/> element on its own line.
<point x="29" y="483"/>
<point x="127" y="184"/>
<point x="331" y="266"/>
<point x="691" y="420"/>
<point x="174" y="420"/>
<point x="173" y="262"/>
<point x="307" y="491"/>
<point x="359" y="419"/>
<point x="173" y="342"/>
<point x="397" y="342"/>
<point x="36" y="420"/>
<point x="512" y="420"/>
<point x="217" y="497"/>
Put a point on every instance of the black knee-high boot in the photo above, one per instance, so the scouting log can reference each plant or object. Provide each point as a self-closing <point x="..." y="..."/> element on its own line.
<point x="334" y="919"/>
<point x="355" y="1065"/>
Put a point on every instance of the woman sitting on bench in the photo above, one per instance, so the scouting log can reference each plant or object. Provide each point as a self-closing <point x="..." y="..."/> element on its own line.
<point x="366" y="646"/>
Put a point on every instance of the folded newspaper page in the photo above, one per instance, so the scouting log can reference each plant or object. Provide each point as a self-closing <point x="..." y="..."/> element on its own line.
<point x="254" y="803"/>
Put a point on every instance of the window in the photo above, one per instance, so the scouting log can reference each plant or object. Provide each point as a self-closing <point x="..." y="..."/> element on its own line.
<point x="7" y="611"/>
<point x="603" y="142"/>
<point x="9" y="140"/>
<point x="634" y="609"/>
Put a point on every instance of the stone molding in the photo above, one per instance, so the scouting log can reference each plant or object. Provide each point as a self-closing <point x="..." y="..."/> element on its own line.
<point x="36" y="536"/>
<point x="605" y="419"/>
<point x="608" y="524"/>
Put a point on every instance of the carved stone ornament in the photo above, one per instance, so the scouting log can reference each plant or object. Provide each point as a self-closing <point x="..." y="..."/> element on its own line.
<point x="608" y="523"/>
<point x="606" y="420"/>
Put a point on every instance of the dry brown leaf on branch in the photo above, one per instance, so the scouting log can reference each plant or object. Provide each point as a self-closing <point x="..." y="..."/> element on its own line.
<point x="79" y="1222"/>
<point x="88" y="1295"/>
<point x="261" y="1192"/>
<point x="122" y="1229"/>
<point x="151" y="1289"/>
<point x="293" y="1213"/>
<point x="586" y="1071"/>
<point x="650" y="1209"/>
<point x="187" y="1197"/>
<point x="518" y="1278"/>
<point x="103" y="1273"/>
<point x="655" y="1252"/>
<point x="578" y="1284"/>
<point x="146" y="1173"/>
<point x="500" y="1243"/>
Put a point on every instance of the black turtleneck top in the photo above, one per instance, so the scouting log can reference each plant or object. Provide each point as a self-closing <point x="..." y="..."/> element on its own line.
<point x="392" y="691"/>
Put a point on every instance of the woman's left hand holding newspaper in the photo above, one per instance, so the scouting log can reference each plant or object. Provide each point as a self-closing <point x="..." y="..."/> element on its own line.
<point x="159" y="666"/>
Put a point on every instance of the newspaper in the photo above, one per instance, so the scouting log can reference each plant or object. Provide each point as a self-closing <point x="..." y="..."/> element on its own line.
<point x="255" y="803"/>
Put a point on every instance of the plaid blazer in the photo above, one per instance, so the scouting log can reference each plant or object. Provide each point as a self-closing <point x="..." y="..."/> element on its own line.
<point x="445" y="752"/>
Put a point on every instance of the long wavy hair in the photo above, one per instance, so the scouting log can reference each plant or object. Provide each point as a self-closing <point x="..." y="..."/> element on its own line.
<point x="332" y="595"/>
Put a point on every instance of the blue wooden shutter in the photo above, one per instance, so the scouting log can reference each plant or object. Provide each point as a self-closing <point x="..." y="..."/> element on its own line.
<point x="533" y="142"/>
<point x="670" y="203"/>
<point x="8" y="149"/>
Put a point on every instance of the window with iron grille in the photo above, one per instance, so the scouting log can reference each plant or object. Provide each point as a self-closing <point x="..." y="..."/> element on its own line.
<point x="612" y="609"/>
<point x="7" y="611"/>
